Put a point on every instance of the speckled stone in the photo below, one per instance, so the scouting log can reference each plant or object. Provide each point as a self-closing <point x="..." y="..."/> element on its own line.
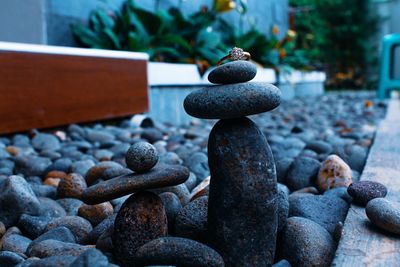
<point x="15" y="243"/>
<point x="302" y="173"/>
<point x="141" y="218"/>
<point x="44" y="141"/>
<point x="243" y="194"/>
<point x="96" y="213"/>
<point x="102" y="227"/>
<point x="70" y="205"/>
<point x="33" y="226"/>
<point x="160" y="176"/>
<point x="71" y="186"/>
<point x="306" y="243"/>
<point x="333" y="173"/>
<point x="52" y="261"/>
<point x="191" y="221"/>
<point x="283" y="205"/>
<point x="180" y="190"/>
<point x="141" y="157"/>
<point x="178" y="251"/>
<point x="385" y="214"/>
<point x="105" y="170"/>
<point x="364" y="191"/>
<point x="50" y="208"/>
<point x="326" y="210"/>
<point x="79" y="226"/>
<point x="52" y="247"/>
<point x="10" y="259"/>
<point x="233" y="101"/>
<point x="30" y="165"/>
<point x="16" y="198"/>
<point x="172" y="207"/>
<point x="238" y="71"/>
<point x="60" y="233"/>
<point x="91" y="258"/>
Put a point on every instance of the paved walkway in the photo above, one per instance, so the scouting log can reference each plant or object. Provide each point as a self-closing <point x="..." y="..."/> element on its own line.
<point x="363" y="244"/>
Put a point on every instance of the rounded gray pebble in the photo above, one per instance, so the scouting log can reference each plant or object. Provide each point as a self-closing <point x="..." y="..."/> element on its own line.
<point x="364" y="191"/>
<point x="385" y="214"/>
<point x="306" y="243"/>
<point x="141" y="157"/>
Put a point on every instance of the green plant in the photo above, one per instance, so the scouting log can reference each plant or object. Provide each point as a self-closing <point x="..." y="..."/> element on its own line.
<point x="169" y="36"/>
<point x="172" y="36"/>
<point x="337" y="34"/>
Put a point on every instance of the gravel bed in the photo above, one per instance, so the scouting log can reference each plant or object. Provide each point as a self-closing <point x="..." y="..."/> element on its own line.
<point x="51" y="214"/>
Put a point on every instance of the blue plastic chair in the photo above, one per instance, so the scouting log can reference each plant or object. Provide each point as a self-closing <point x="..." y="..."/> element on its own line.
<point x="387" y="82"/>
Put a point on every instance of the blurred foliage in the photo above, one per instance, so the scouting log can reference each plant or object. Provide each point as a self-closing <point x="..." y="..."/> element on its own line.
<point x="168" y="36"/>
<point x="336" y="36"/>
<point x="201" y="38"/>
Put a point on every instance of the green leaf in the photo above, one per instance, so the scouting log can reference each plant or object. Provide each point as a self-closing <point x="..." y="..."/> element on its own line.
<point x="105" y="19"/>
<point x="173" y="39"/>
<point x="133" y="42"/>
<point x="207" y="38"/>
<point x="150" y="21"/>
<point x="113" y="38"/>
<point x="88" y="37"/>
<point x="139" y="27"/>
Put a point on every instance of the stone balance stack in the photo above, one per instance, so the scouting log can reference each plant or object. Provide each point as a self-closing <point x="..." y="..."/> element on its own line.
<point x="242" y="209"/>
<point x="142" y="217"/>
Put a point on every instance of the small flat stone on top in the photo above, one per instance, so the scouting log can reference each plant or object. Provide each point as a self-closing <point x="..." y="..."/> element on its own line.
<point x="233" y="101"/>
<point x="160" y="176"/>
<point x="239" y="71"/>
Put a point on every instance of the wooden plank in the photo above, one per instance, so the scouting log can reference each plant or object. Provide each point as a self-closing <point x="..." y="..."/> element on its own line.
<point x="363" y="244"/>
<point x="42" y="86"/>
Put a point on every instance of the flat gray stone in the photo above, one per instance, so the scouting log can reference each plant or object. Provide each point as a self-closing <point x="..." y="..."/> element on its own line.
<point x="159" y="176"/>
<point x="232" y="101"/>
<point x="239" y="71"/>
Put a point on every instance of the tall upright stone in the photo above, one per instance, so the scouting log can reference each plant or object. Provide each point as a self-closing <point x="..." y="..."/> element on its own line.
<point x="242" y="209"/>
<point x="243" y="197"/>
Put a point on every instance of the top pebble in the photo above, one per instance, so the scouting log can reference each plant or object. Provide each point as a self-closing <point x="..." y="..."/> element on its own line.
<point x="239" y="71"/>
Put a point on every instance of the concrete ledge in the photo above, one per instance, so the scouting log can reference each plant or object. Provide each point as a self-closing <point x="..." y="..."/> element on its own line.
<point x="362" y="244"/>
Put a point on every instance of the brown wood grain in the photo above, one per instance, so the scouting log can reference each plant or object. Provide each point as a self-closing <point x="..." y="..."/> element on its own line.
<point x="363" y="244"/>
<point x="39" y="90"/>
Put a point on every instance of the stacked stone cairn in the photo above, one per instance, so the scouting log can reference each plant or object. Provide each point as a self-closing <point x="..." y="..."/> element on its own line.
<point x="140" y="233"/>
<point x="242" y="205"/>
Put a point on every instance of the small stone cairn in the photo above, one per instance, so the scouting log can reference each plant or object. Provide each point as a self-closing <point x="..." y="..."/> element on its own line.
<point x="242" y="209"/>
<point x="142" y="217"/>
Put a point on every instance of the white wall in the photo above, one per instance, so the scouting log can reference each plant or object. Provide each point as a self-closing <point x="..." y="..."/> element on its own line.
<point x="22" y="21"/>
